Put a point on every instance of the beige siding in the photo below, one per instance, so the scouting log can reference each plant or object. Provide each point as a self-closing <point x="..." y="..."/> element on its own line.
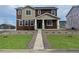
<point x="28" y="17"/>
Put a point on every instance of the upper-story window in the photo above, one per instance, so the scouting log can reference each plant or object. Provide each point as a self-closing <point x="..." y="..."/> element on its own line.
<point x="39" y="12"/>
<point x="53" y="12"/>
<point x="19" y="12"/>
<point x="28" y="12"/>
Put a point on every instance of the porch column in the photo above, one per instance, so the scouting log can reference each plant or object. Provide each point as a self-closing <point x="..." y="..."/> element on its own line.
<point x="43" y="24"/>
<point x="58" y="25"/>
<point x="35" y="24"/>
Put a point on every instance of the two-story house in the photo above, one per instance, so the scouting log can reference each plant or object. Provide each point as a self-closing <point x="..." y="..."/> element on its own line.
<point x="33" y="18"/>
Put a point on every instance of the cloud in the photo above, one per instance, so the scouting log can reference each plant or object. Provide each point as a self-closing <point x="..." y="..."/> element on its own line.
<point x="8" y="12"/>
<point x="63" y="10"/>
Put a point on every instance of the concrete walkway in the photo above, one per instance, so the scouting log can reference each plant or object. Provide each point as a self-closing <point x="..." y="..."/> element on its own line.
<point x="39" y="42"/>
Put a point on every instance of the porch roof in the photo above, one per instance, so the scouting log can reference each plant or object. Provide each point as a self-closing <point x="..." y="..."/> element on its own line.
<point x="48" y="16"/>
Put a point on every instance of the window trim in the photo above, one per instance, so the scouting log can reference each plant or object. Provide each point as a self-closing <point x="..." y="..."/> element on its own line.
<point x="30" y="23"/>
<point x="25" y="22"/>
<point x="53" y="12"/>
<point x="28" y="12"/>
<point x="39" y="12"/>
<point x="19" y="22"/>
<point x="50" y="24"/>
<point x="19" y="12"/>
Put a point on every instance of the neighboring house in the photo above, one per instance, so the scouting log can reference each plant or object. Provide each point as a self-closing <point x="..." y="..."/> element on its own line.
<point x="62" y="24"/>
<point x="73" y="18"/>
<point x="33" y="18"/>
<point x="7" y="26"/>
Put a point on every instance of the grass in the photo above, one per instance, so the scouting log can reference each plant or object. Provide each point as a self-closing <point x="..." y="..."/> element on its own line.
<point x="64" y="41"/>
<point x="17" y="41"/>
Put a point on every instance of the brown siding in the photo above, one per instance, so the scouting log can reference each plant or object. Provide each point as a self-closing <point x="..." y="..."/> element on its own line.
<point x="18" y="27"/>
<point x="24" y="27"/>
<point x="43" y="11"/>
<point x="55" y="12"/>
<point x="51" y="27"/>
<point x="55" y="24"/>
<point x="18" y="16"/>
<point x="36" y="13"/>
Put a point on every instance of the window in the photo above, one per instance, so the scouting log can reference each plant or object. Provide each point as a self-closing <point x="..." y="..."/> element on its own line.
<point x="39" y="12"/>
<point x="19" y="12"/>
<point x="20" y="22"/>
<point x="49" y="23"/>
<point x="31" y="22"/>
<point x="26" y="22"/>
<point x="53" y="12"/>
<point x="28" y="12"/>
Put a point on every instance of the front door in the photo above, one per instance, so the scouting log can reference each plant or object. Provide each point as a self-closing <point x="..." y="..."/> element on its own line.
<point x="39" y="24"/>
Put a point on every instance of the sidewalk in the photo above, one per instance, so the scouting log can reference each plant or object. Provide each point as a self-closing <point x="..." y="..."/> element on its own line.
<point x="39" y="42"/>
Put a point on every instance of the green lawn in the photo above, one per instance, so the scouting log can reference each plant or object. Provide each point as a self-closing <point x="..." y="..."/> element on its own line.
<point x="17" y="41"/>
<point x="64" y="41"/>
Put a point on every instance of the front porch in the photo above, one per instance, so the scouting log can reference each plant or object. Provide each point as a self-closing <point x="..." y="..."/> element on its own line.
<point x="46" y="21"/>
<point x="46" y="24"/>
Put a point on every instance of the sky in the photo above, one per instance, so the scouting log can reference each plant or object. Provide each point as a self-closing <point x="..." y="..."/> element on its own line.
<point x="8" y="12"/>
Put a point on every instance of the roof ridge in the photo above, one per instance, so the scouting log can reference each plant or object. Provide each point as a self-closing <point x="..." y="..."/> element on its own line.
<point x="36" y="7"/>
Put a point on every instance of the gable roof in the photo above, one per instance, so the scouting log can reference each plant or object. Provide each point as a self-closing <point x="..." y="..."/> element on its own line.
<point x="24" y="7"/>
<point x="28" y="7"/>
<point x="72" y="9"/>
<point x="36" y="7"/>
<point x="46" y="8"/>
<point x="19" y="8"/>
<point x="48" y="15"/>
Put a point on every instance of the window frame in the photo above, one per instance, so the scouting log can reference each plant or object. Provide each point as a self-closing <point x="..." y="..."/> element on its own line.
<point x="50" y="23"/>
<point x="53" y="12"/>
<point x="19" y="22"/>
<point x="39" y="12"/>
<point x="19" y="12"/>
<point x="28" y="12"/>
<point x="31" y="21"/>
<point x="25" y="22"/>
